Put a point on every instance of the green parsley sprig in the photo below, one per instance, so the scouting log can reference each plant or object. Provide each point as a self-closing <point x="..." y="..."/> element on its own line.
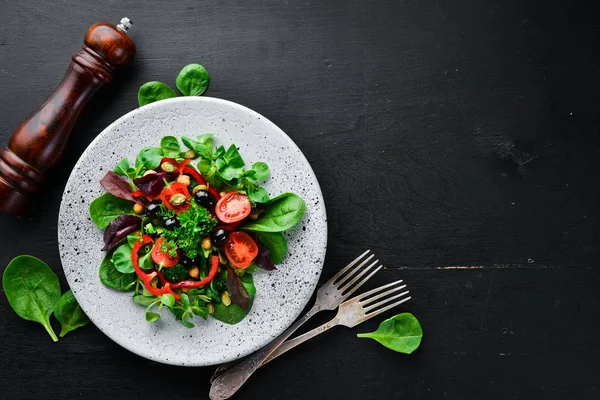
<point x="195" y="223"/>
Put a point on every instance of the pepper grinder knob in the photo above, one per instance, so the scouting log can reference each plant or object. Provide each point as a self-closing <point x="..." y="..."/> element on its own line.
<point x="37" y="144"/>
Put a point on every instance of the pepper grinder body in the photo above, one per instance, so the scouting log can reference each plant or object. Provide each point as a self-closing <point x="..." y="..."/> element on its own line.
<point x="38" y="143"/>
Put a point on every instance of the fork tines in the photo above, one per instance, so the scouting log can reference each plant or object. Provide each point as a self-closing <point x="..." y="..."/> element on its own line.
<point x="347" y="283"/>
<point x="369" y="299"/>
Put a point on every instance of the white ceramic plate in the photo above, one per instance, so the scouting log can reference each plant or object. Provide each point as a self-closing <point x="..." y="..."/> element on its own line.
<point x="280" y="295"/>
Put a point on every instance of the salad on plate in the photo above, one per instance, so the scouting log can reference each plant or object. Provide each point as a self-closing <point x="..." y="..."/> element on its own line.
<point x="185" y="229"/>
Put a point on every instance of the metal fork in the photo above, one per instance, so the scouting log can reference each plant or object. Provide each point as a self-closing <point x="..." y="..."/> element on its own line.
<point x="351" y="313"/>
<point x="228" y="378"/>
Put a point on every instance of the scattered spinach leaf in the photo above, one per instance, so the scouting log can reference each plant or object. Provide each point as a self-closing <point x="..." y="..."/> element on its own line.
<point x="192" y="80"/>
<point x="107" y="207"/>
<point x="283" y="212"/>
<point x="69" y="313"/>
<point x="150" y="92"/>
<point x="32" y="289"/>
<point x="401" y="333"/>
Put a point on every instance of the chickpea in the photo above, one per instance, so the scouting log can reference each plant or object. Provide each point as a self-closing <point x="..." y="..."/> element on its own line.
<point x="206" y="243"/>
<point x="186" y="289"/>
<point x="149" y="172"/>
<point x="199" y="187"/>
<point x="138" y="208"/>
<point x="194" y="272"/>
<point x="222" y="194"/>
<point x="184" y="179"/>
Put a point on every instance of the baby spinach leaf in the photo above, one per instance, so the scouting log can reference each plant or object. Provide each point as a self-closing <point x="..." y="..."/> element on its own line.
<point x="112" y="278"/>
<point x="152" y="316"/>
<point x="150" y="92"/>
<point x="122" y="167"/>
<point x="233" y="158"/>
<point x="132" y="238"/>
<point x="401" y="333"/>
<point x="121" y="258"/>
<point x="108" y="207"/>
<point x="192" y="80"/>
<point x="32" y="289"/>
<point x="146" y="262"/>
<point x="229" y="173"/>
<point x="203" y="149"/>
<point x="233" y="313"/>
<point x="168" y="300"/>
<point x="261" y="171"/>
<point x="149" y="158"/>
<point x="283" y="212"/>
<point x="257" y="194"/>
<point x="170" y="146"/>
<point x="275" y="243"/>
<point x="69" y="313"/>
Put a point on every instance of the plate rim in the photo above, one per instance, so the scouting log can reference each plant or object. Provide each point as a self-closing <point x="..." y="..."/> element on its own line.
<point x="200" y="99"/>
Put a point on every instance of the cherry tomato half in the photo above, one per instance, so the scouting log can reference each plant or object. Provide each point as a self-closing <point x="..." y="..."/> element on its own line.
<point x="162" y="258"/>
<point x="169" y="191"/>
<point x="233" y="207"/>
<point x="240" y="249"/>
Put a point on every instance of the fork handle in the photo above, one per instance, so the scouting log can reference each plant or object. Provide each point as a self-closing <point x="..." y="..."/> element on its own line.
<point x="225" y="385"/>
<point x="290" y="344"/>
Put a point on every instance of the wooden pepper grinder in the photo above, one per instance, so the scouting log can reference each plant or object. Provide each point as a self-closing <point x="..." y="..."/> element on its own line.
<point x="38" y="142"/>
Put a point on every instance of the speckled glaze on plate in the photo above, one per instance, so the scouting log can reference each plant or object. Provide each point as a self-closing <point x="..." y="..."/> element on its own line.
<point x="280" y="295"/>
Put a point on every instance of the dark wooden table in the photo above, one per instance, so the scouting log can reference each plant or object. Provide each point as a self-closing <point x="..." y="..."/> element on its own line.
<point x="457" y="139"/>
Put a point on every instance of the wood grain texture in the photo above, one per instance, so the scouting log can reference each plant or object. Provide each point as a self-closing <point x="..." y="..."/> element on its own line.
<point x="459" y="133"/>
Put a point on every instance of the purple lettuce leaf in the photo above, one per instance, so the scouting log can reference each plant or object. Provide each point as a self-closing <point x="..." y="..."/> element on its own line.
<point x="119" y="228"/>
<point x="152" y="184"/>
<point x="237" y="292"/>
<point x="117" y="186"/>
<point x="263" y="259"/>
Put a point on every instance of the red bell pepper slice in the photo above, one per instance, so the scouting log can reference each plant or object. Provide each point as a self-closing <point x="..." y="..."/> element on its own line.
<point x="147" y="277"/>
<point x="170" y="191"/>
<point x="201" y="181"/>
<point x="211" y="274"/>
